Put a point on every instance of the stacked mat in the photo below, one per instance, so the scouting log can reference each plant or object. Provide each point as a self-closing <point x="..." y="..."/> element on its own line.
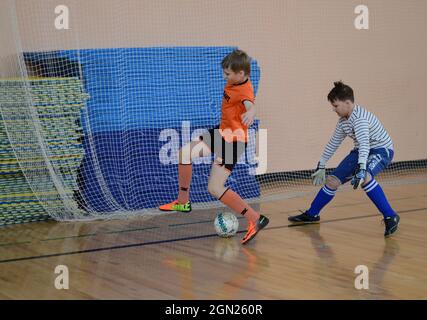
<point x="50" y="128"/>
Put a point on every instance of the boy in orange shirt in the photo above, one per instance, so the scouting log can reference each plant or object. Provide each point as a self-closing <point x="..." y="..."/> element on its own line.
<point x="228" y="143"/>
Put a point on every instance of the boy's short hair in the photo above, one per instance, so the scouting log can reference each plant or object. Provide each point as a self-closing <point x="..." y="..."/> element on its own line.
<point x="237" y="60"/>
<point x="341" y="92"/>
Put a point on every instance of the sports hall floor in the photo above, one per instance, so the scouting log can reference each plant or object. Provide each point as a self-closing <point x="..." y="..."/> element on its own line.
<point x="178" y="256"/>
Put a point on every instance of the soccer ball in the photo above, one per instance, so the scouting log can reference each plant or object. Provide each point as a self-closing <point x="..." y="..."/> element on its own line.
<point x="226" y="224"/>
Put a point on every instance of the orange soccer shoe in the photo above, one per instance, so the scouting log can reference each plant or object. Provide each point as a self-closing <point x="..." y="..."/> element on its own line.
<point x="254" y="228"/>
<point x="176" y="206"/>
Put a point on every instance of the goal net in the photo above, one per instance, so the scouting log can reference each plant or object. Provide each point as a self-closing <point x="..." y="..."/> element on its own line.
<point x="96" y="100"/>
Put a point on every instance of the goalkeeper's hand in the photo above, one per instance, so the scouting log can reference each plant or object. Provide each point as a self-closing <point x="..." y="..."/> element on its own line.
<point x="358" y="178"/>
<point x="319" y="176"/>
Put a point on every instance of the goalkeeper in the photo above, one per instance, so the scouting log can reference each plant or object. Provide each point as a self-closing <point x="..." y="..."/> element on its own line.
<point x="372" y="153"/>
<point x="228" y="143"/>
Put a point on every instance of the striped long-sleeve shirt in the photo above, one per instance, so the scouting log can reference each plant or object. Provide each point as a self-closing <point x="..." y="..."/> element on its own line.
<point x="366" y="131"/>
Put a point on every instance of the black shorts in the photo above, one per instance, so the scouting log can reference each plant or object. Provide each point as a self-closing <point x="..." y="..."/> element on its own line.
<point x="228" y="152"/>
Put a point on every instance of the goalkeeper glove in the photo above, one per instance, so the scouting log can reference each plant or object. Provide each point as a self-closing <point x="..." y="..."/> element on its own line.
<point x="319" y="175"/>
<point x="359" y="177"/>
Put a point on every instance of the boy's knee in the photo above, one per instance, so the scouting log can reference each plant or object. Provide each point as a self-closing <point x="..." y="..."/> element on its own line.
<point x="215" y="190"/>
<point x="332" y="182"/>
<point x="368" y="179"/>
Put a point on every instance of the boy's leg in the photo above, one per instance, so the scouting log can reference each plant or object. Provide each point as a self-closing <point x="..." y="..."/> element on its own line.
<point x="185" y="172"/>
<point x="231" y="199"/>
<point x="188" y="153"/>
<point x="339" y="176"/>
<point x="216" y="187"/>
<point x="378" y="160"/>
<point x="376" y="194"/>
<point x="324" y="196"/>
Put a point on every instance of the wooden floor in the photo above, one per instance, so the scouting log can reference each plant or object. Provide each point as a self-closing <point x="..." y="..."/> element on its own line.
<point x="178" y="256"/>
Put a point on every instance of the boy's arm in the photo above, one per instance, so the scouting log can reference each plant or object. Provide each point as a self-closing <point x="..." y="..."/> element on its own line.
<point x="249" y="116"/>
<point x="361" y="130"/>
<point x="319" y="175"/>
<point x="332" y="146"/>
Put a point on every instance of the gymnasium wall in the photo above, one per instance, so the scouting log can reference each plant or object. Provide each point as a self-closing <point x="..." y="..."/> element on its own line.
<point x="8" y="61"/>
<point x="301" y="47"/>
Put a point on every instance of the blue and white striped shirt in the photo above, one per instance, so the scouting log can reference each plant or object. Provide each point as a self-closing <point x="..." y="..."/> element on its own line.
<point x="366" y="131"/>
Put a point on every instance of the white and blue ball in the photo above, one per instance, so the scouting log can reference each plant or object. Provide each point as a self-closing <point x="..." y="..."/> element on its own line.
<point x="226" y="224"/>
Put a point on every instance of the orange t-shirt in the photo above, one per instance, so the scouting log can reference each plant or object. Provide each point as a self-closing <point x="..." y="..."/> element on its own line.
<point x="231" y="126"/>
